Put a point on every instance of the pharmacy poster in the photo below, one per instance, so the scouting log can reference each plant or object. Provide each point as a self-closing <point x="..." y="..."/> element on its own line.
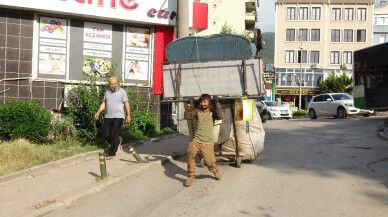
<point x="52" y="53"/>
<point x="137" y="56"/>
<point x="97" y="49"/>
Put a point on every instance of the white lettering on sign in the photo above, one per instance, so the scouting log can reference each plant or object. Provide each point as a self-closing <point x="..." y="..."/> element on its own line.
<point x="136" y="57"/>
<point x="95" y="53"/>
<point x="57" y="50"/>
<point x="52" y="42"/>
<point x="124" y="4"/>
<point x="149" y="11"/>
<point x="136" y="50"/>
<point x="98" y="33"/>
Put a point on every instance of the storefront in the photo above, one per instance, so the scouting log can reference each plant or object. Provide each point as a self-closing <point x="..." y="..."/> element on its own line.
<point x="287" y="85"/>
<point x="291" y="95"/>
<point x="48" y="45"/>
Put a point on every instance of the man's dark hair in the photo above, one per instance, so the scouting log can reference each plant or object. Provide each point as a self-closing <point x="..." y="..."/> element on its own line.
<point x="205" y="96"/>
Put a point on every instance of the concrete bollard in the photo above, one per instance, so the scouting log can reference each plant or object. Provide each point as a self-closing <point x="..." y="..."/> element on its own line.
<point x="102" y="165"/>
<point x="133" y="152"/>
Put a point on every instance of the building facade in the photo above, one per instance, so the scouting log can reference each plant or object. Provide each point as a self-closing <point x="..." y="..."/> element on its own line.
<point x="241" y="16"/>
<point x="380" y="23"/>
<point x="47" y="47"/>
<point x="314" y="38"/>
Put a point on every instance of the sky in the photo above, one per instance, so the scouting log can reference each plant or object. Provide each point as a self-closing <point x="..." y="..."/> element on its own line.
<point x="267" y="15"/>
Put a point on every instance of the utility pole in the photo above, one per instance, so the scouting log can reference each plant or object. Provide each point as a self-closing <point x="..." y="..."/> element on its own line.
<point x="183" y="31"/>
<point x="300" y="71"/>
<point x="183" y="18"/>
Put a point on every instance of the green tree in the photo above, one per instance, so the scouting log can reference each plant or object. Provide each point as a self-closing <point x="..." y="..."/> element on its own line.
<point x="227" y="29"/>
<point x="267" y="54"/>
<point x="336" y="84"/>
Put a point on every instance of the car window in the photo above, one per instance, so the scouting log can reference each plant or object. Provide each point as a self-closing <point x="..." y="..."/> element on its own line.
<point x="341" y="96"/>
<point x="272" y="103"/>
<point x="326" y="97"/>
<point x="318" y="98"/>
<point x="259" y="105"/>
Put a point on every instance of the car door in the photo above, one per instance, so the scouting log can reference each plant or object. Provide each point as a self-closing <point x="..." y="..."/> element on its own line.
<point x="330" y="107"/>
<point x="317" y="104"/>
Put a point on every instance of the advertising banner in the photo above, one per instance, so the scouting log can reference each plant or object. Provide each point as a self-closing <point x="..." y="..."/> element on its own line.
<point x="52" y="53"/>
<point x="137" y="56"/>
<point x="97" y="43"/>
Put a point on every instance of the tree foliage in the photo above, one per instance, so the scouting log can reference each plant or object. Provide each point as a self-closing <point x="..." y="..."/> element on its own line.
<point x="267" y="53"/>
<point x="227" y="29"/>
<point x="336" y="84"/>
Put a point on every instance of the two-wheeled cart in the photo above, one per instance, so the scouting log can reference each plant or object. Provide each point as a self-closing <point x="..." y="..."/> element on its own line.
<point x="219" y="65"/>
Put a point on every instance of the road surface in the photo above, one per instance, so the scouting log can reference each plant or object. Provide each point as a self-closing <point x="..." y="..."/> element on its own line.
<point x="309" y="168"/>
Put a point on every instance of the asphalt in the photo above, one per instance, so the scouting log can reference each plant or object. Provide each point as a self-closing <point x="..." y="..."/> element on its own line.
<point x="44" y="188"/>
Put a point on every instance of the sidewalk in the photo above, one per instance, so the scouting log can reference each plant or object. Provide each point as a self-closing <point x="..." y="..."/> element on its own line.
<point x="47" y="187"/>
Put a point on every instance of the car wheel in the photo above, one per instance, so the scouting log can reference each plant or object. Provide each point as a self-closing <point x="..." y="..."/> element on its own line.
<point x="269" y="116"/>
<point x="312" y="114"/>
<point x="264" y="116"/>
<point x="341" y="112"/>
<point x="366" y="115"/>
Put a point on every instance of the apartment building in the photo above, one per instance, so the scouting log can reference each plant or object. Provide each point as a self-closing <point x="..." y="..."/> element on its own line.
<point x="314" y="38"/>
<point x="380" y="23"/>
<point x="241" y="16"/>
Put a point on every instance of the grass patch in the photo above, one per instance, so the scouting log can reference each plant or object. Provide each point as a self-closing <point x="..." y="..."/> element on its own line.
<point x="21" y="154"/>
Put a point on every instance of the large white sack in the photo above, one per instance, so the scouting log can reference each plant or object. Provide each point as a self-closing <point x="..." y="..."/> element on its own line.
<point x="250" y="141"/>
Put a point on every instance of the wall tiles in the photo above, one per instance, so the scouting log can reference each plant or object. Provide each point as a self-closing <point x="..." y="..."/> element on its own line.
<point x="38" y="92"/>
<point x="13" y="41"/>
<point x="12" y="66"/>
<point x="25" y="68"/>
<point x="12" y="53"/>
<point x="25" y="55"/>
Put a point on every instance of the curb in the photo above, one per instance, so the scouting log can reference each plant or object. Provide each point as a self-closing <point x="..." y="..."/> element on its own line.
<point x="76" y="159"/>
<point x="50" y="165"/>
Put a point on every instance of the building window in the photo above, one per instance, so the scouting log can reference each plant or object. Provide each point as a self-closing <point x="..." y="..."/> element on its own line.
<point x="349" y="14"/>
<point x="290" y="56"/>
<point x="315" y="13"/>
<point x="314" y="56"/>
<point x="303" y="33"/>
<point x="383" y="38"/>
<point x="381" y="20"/>
<point x="361" y="35"/>
<point x="335" y="35"/>
<point x="303" y="13"/>
<point x="334" y="57"/>
<point x="347" y="57"/>
<point x="291" y="12"/>
<point x="361" y="14"/>
<point x="348" y="35"/>
<point x="315" y="35"/>
<point x="290" y="34"/>
<point x="302" y="57"/>
<point x="336" y="14"/>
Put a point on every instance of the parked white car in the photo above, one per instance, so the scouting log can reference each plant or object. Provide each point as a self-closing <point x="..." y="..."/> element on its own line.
<point x="338" y="105"/>
<point x="277" y="110"/>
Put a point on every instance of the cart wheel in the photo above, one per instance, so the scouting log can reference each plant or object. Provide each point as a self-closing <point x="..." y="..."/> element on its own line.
<point x="238" y="162"/>
<point x="202" y="162"/>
